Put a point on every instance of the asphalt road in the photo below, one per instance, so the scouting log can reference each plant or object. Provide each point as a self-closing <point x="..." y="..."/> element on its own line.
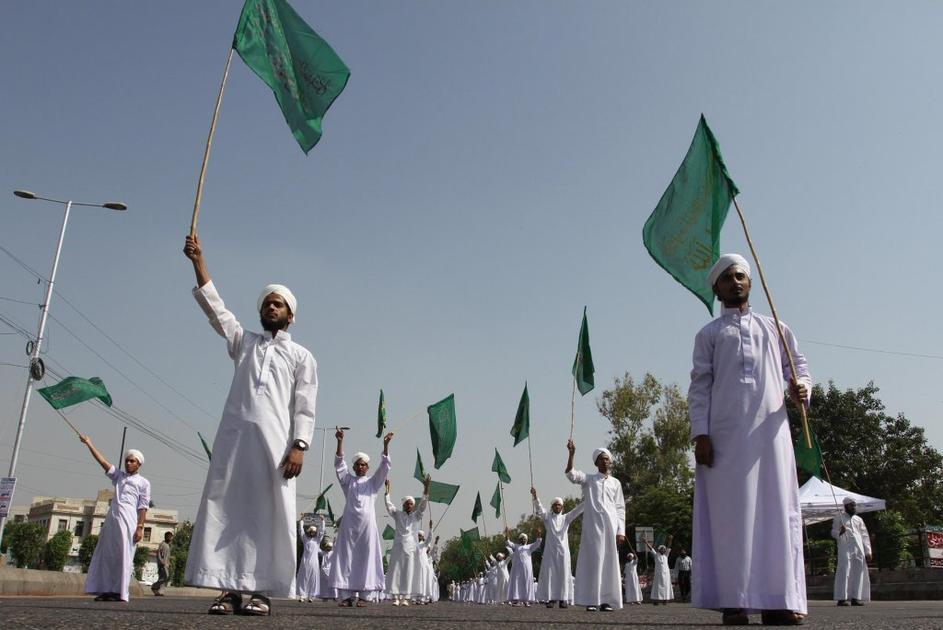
<point x="178" y="613"/>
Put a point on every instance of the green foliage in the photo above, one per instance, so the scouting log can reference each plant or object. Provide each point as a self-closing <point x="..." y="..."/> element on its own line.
<point x="820" y="556"/>
<point x="179" y="547"/>
<point x="57" y="550"/>
<point x="86" y="550"/>
<point x="665" y="509"/>
<point x="890" y="541"/>
<point x="25" y="541"/>
<point x="140" y="559"/>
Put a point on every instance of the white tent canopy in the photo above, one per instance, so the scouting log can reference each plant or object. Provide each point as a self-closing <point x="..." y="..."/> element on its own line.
<point x="817" y="499"/>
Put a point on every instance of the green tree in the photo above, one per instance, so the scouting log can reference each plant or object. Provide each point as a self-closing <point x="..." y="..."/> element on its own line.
<point x="57" y="550"/>
<point x="890" y="541"/>
<point x="179" y="548"/>
<point x="86" y="550"/>
<point x="25" y="541"/>
<point x="141" y="555"/>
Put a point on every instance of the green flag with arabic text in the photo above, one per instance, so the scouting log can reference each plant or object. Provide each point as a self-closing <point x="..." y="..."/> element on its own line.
<point x="73" y="389"/>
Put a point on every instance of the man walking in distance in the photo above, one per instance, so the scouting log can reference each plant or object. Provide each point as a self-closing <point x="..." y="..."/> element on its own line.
<point x="747" y="523"/>
<point x="244" y="533"/>
<point x="163" y="564"/>
<point x="854" y="553"/>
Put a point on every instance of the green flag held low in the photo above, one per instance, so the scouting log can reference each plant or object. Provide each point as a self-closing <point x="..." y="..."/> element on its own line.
<point x="476" y="511"/>
<point x="388" y="533"/>
<point x="442" y="428"/>
<point x="321" y="502"/>
<point x="683" y="232"/>
<point x="497" y="465"/>
<point x="72" y="390"/>
<point x="496" y="500"/>
<point x="521" y="429"/>
<point x="809" y="459"/>
<point x="381" y="415"/>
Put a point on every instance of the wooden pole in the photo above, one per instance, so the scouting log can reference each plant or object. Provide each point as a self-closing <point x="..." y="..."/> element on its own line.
<point x="572" y="409"/>
<point x="504" y="504"/>
<point x="446" y="511"/>
<point x="209" y="144"/>
<point x="779" y="327"/>
<point x="530" y="459"/>
<point x="72" y="426"/>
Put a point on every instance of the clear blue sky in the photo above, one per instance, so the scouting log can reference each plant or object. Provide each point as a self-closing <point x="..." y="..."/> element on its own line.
<point x="485" y="175"/>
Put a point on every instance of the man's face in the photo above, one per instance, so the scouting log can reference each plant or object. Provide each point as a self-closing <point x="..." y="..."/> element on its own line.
<point x="168" y="537"/>
<point x="851" y="508"/>
<point x="275" y="314"/>
<point x="557" y="507"/>
<point x="733" y="286"/>
<point x="408" y="505"/>
<point x="603" y="464"/>
<point x="131" y="465"/>
<point x="361" y="467"/>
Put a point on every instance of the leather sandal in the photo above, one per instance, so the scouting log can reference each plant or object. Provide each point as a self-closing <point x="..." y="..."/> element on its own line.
<point x="258" y="606"/>
<point x="226" y="604"/>
<point x="735" y="617"/>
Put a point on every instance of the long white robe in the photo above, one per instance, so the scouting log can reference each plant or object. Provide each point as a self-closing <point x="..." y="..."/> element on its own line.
<point x="598" y="579"/>
<point x="402" y="573"/>
<point x="633" y="590"/>
<point x="851" y="571"/>
<point x="244" y="529"/>
<point x="747" y="546"/>
<point x="358" y="558"/>
<point x="502" y="577"/>
<point x="308" y="579"/>
<point x="113" y="561"/>
<point x="661" y="584"/>
<point x="326" y="590"/>
<point x="521" y="582"/>
<point x="554" y="581"/>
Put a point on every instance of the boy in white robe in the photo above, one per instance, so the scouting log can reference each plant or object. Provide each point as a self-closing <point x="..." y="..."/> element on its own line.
<point x="357" y="566"/>
<point x="632" y="589"/>
<point x="245" y="526"/>
<point x="308" y="580"/>
<point x="854" y="553"/>
<point x="502" y="577"/>
<point x="598" y="579"/>
<point x="747" y="534"/>
<point x="553" y="585"/>
<point x="661" y="592"/>
<point x="403" y="579"/>
<point x="327" y="555"/>
<point x="521" y="582"/>
<point x="109" y="574"/>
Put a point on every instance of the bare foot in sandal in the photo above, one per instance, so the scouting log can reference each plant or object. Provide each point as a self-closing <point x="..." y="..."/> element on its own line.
<point x="226" y="604"/>
<point x="258" y="605"/>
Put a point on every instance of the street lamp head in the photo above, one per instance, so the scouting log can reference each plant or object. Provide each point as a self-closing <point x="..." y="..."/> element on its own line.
<point x="115" y="205"/>
<point x="25" y="194"/>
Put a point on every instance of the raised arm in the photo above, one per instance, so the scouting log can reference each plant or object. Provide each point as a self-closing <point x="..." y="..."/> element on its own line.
<point x="571" y="449"/>
<point x="541" y="512"/>
<point x="390" y="508"/>
<point x="194" y="252"/>
<point x="87" y="441"/>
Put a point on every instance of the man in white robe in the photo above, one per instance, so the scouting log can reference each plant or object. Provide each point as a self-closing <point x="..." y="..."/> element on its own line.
<point x="553" y="585"/>
<point x="747" y="538"/>
<point x="598" y="579"/>
<point x="357" y="566"/>
<point x="854" y="553"/>
<point x="109" y="574"/>
<point x="632" y="590"/>
<point x="308" y="580"/>
<point x="520" y="584"/>
<point x="661" y="592"/>
<point x="244" y="532"/>
<point x="403" y="579"/>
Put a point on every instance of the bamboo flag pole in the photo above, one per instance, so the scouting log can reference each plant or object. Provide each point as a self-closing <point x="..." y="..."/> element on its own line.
<point x="443" y="516"/>
<point x="504" y="512"/>
<point x="530" y="459"/>
<point x="779" y="326"/>
<point x="403" y="423"/>
<point x="71" y="426"/>
<point x="572" y="409"/>
<point x="209" y="144"/>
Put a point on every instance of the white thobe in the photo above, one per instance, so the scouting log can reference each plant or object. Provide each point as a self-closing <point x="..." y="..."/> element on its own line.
<point x="633" y="590"/>
<point x="598" y="580"/>
<point x="113" y="560"/>
<point x="747" y="537"/>
<point x="402" y="572"/>
<point x="851" y="571"/>
<point x="502" y="577"/>
<point x="327" y="591"/>
<point x="358" y="557"/>
<point x="661" y="584"/>
<point x="308" y="579"/>
<point x="244" y="533"/>
<point x="554" y="581"/>
<point x="521" y="582"/>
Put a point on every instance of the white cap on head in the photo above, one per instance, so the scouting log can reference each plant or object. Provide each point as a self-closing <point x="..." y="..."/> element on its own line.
<point x="361" y="456"/>
<point x="136" y="454"/>
<point x="311" y="530"/>
<point x="723" y="263"/>
<point x="409" y="498"/>
<point x="847" y="500"/>
<point x="556" y="500"/>
<point x="601" y="451"/>
<point x="282" y="290"/>
<point x="522" y="537"/>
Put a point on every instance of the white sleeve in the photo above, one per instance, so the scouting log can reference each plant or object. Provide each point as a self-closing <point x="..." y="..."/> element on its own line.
<point x="221" y="319"/>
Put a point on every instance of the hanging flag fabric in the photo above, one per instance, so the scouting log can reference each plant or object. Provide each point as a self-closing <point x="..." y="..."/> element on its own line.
<point x="476" y="511"/>
<point x="442" y="429"/>
<point x="209" y="453"/>
<point x="809" y="459"/>
<point x="330" y="513"/>
<point x="496" y="500"/>
<point x="583" y="369"/>
<point x="420" y="472"/>
<point x="321" y="502"/>
<point x="381" y="415"/>
<point x="521" y="429"/>
<point x="388" y="533"/>
<point x="470" y="535"/>
<point x="303" y="71"/>
<point x="683" y="232"/>
<point x="440" y="492"/>
<point x="72" y="390"/>
<point x="497" y="465"/>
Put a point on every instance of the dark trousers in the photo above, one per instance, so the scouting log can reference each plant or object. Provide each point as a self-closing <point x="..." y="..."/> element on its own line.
<point x="684" y="584"/>
<point x="162" y="579"/>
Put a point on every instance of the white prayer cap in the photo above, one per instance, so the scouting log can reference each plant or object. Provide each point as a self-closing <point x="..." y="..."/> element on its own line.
<point x="409" y="498"/>
<point x="361" y="455"/>
<point x="136" y="454"/>
<point x="725" y="261"/>
<point x="556" y="500"/>
<point x="282" y="290"/>
<point x="500" y="556"/>
<point x="601" y="451"/>
<point x="327" y="543"/>
<point x="662" y="549"/>
<point x="311" y="530"/>
<point x="522" y="537"/>
<point x="847" y="500"/>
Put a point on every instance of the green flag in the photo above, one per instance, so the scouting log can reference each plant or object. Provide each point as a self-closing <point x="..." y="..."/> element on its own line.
<point x="420" y="472"/>
<point x="583" y="369"/>
<point x="683" y="232"/>
<point x="496" y="500"/>
<point x="330" y="513"/>
<point x="442" y="429"/>
<point x="72" y="390"/>
<point x="470" y="535"/>
<point x="521" y="428"/>
<point x="809" y="459"/>
<point x="389" y="533"/>
<point x="321" y="502"/>
<point x="303" y="71"/>
<point x="497" y="465"/>
<point x="381" y="416"/>
<point x="209" y="454"/>
<point x="476" y="511"/>
<point x="440" y="492"/>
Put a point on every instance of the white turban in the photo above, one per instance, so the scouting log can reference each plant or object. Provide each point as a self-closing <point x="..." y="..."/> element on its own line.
<point x="282" y="290"/>
<point x="601" y="451"/>
<point x="136" y="454"/>
<point x="723" y="263"/>
<point x="847" y="500"/>
<point x="409" y="498"/>
<point x="311" y="530"/>
<point x="363" y="456"/>
<point x="556" y="500"/>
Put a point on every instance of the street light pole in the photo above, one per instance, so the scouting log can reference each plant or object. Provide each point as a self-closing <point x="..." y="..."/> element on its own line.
<point x="35" y="370"/>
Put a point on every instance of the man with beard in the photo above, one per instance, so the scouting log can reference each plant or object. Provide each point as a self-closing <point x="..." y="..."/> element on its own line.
<point x="244" y="534"/>
<point x="854" y="553"/>
<point x="747" y="524"/>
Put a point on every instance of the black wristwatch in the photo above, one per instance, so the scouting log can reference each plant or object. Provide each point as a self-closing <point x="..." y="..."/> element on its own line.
<point x="301" y="445"/>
